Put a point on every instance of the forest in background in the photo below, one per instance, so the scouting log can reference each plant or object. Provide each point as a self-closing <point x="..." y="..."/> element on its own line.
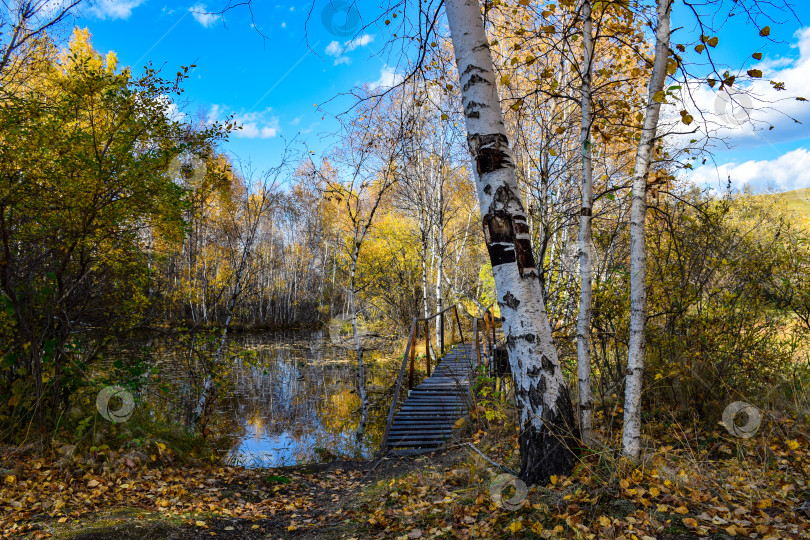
<point x="124" y="223"/>
<point x="118" y="218"/>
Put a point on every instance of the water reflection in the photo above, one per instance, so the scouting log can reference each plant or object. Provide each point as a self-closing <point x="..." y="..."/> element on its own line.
<point x="290" y="398"/>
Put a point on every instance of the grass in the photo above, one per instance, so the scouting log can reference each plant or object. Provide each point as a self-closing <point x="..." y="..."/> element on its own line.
<point x="798" y="200"/>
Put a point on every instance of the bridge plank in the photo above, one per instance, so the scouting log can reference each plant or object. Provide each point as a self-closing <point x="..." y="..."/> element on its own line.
<point x="427" y="416"/>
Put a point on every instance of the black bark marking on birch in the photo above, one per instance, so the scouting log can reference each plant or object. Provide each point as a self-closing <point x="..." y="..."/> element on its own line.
<point x="473" y="80"/>
<point x="525" y="257"/>
<point x="488" y="189"/>
<point x="470" y="68"/>
<point x="490" y="152"/>
<point x="500" y="254"/>
<point x="546" y="363"/>
<point x="510" y="300"/>
<point x="586" y="212"/>
<point x="521" y="227"/>
<point x="549" y="449"/>
<point x="471" y="109"/>
<point x="498" y="228"/>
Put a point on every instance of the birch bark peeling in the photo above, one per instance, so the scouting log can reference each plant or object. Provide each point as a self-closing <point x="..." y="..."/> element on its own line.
<point x="631" y="433"/>
<point x="544" y="405"/>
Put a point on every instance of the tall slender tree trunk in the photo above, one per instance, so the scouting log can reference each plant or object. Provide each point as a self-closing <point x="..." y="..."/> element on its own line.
<point x="585" y="233"/>
<point x="631" y="435"/>
<point x="545" y="411"/>
<point x="358" y="347"/>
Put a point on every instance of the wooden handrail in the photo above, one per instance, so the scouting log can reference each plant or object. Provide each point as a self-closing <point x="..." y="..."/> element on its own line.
<point x="410" y="354"/>
<point x="399" y="385"/>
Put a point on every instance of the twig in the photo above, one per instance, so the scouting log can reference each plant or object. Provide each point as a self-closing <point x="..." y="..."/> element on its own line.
<point x="503" y="468"/>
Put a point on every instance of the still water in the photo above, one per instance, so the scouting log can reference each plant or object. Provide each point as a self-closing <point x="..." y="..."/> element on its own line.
<point x="284" y="398"/>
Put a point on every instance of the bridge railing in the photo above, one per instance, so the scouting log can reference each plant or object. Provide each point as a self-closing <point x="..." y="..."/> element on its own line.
<point x="486" y="326"/>
<point x="410" y="356"/>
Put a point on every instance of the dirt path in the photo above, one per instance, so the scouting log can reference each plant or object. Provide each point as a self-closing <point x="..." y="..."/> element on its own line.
<point x="313" y="502"/>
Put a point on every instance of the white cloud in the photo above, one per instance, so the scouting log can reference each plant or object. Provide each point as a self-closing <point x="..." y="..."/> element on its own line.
<point x="359" y="41"/>
<point x="339" y="51"/>
<point x="114" y="9"/>
<point x="388" y="78"/>
<point x="257" y="125"/>
<point x="333" y="49"/>
<point x="787" y="172"/>
<point x="744" y="115"/>
<point x="202" y="16"/>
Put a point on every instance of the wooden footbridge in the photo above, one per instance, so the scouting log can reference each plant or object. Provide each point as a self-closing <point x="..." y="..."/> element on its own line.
<point x="426" y="417"/>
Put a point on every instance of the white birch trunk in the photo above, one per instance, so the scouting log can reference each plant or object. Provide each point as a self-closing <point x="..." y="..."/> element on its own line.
<point x="358" y="347"/>
<point x="631" y="435"/>
<point x="585" y="233"/>
<point x="544" y="405"/>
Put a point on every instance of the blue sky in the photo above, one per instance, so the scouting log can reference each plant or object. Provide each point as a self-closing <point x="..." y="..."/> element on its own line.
<point x="272" y="78"/>
<point x="270" y="83"/>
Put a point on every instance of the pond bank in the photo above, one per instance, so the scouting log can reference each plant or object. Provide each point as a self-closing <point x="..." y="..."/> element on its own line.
<point x="317" y="501"/>
<point x="675" y="491"/>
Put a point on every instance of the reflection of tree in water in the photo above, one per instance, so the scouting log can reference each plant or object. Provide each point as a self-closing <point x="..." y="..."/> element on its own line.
<point x="297" y="401"/>
<point x="289" y="396"/>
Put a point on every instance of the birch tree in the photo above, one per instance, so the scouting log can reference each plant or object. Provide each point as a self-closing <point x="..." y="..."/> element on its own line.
<point x="585" y="231"/>
<point x="242" y="228"/>
<point x="631" y="434"/>
<point x="366" y="169"/>
<point x="544" y="405"/>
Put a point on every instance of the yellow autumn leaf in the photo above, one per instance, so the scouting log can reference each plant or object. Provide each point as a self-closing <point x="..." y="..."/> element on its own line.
<point x="682" y="510"/>
<point x="553" y="479"/>
<point x="791" y="444"/>
<point x="660" y="97"/>
<point x="459" y="423"/>
<point x="690" y="523"/>
<point x="765" y="31"/>
<point x="444" y="116"/>
<point x="687" y="119"/>
<point x="505" y="79"/>
<point x="604" y="521"/>
<point x="552" y="152"/>
<point x="756" y="73"/>
<point x="713" y="42"/>
<point x="515" y="526"/>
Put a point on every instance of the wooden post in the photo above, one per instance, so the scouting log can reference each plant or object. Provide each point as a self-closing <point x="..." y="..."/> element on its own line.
<point x="493" y="333"/>
<point x="477" y="348"/>
<point x="458" y="321"/>
<point x="427" y="346"/>
<point x="452" y="333"/>
<point x="412" y="346"/>
<point x="486" y="338"/>
<point x="441" y="329"/>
